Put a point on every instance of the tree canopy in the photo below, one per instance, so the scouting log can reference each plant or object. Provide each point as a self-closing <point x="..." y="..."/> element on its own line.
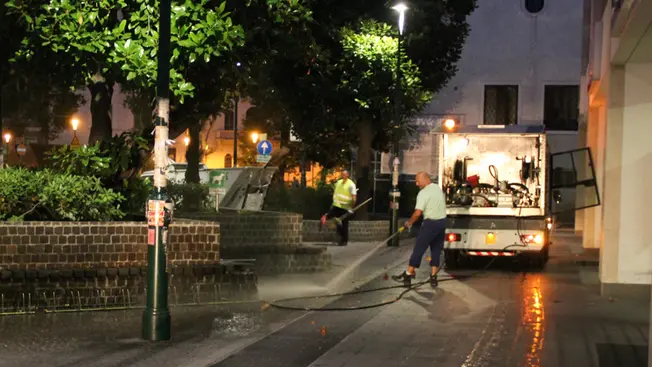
<point x="99" y="43"/>
<point x="323" y="69"/>
<point x="346" y="76"/>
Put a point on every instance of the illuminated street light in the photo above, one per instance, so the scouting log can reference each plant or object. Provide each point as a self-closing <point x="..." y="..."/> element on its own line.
<point x="449" y="124"/>
<point x="400" y="8"/>
<point x="254" y="137"/>
<point x="4" y="151"/>
<point x="186" y="140"/>
<point x="75" y="125"/>
<point x="395" y="193"/>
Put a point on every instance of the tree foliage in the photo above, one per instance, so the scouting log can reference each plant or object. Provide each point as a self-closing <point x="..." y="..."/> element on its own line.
<point x="116" y="163"/>
<point x="119" y="38"/>
<point x="46" y="195"/>
<point x="347" y="77"/>
<point x="32" y="95"/>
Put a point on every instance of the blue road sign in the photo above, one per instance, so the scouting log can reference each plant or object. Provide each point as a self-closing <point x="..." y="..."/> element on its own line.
<point x="264" y="147"/>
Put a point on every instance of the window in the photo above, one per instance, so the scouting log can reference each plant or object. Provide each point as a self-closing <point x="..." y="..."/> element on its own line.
<point x="228" y="161"/>
<point x="500" y="104"/>
<point x="561" y="107"/>
<point x="228" y="120"/>
<point x="534" y="6"/>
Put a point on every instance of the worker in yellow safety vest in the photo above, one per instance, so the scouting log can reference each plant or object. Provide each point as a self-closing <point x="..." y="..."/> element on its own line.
<point x="344" y="197"/>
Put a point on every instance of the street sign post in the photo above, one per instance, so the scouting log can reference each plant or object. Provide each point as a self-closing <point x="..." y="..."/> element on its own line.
<point x="264" y="147"/>
<point x="21" y="150"/>
<point x="263" y="158"/>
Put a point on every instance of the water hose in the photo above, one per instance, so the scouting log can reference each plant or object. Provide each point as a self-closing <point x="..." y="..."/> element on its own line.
<point x="278" y="303"/>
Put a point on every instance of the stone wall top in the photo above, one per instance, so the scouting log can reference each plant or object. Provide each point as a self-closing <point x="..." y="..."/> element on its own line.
<point x="254" y="228"/>
<point x="53" y="245"/>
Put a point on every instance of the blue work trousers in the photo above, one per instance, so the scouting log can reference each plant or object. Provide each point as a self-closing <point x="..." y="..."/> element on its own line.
<point x="432" y="234"/>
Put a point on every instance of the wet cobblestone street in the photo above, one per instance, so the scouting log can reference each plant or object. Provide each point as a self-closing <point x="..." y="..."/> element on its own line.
<point x="503" y="317"/>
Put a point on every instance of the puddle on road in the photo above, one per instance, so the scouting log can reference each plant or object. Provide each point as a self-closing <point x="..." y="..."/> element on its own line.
<point x="236" y="325"/>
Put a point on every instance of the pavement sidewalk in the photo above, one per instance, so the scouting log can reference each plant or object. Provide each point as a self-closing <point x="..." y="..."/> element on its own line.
<point x="554" y="318"/>
<point x="201" y="336"/>
<point x="379" y="258"/>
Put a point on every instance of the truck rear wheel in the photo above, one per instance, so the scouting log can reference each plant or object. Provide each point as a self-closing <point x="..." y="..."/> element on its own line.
<point x="536" y="261"/>
<point x="454" y="259"/>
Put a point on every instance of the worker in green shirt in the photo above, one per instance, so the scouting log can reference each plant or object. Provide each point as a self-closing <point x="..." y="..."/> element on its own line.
<point x="344" y="197"/>
<point x="431" y="203"/>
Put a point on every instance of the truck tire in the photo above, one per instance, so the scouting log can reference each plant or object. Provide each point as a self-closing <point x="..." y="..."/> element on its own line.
<point x="536" y="262"/>
<point x="454" y="260"/>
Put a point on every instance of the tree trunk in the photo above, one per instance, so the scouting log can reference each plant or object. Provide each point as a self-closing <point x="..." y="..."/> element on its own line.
<point x="285" y="141"/>
<point x="363" y="174"/>
<point x="101" y="110"/>
<point x="192" y="154"/>
<point x="304" y="181"/>
<point x="192" y="197"/>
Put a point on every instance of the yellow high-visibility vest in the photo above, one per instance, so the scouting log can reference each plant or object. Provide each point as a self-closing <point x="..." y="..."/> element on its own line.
<point x="342" y="197"/>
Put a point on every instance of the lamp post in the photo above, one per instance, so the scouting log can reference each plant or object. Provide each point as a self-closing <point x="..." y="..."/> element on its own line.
<point x="156" y="316"/>
<point x="5" y="155"/>
<point x="75" y="124"/>
<point x="395" y="194"/>
<point x="186" y="143"/>
<point x="236" y="100"/>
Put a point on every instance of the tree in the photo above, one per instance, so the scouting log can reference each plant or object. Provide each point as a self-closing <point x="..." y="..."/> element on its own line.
<point x="111" y="41"/>
<point x="344" y="95"/>
<point x="33" y="95"/>
<point x="368" y="71"/>
<point x="37" y="98"/>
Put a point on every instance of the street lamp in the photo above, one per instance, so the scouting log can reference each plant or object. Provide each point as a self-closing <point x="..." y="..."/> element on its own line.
<point x="5" y="154"/>
<point x="236" y="101"/>
<point x="449" y="124"/>
<point x="75" y="124"/>
<point x="186" y="141"/>
<point x="400" y="8"/>
<point x="395" y="194"/>
<point x="254" y="137"/>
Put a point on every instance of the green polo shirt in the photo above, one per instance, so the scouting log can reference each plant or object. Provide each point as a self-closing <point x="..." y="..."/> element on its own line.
<point x="432" y="202"/>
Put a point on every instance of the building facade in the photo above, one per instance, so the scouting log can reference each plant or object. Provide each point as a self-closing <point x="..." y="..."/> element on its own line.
<point x="617" y="87"/>
<point x="521" y="64"/>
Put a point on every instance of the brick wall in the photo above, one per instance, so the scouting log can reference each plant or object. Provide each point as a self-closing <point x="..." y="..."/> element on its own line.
<point x="273" y="239"/>
<point x="254" y="228"/>
<point x="361" y="231"/>
<point x="92" y="265"/>
<point x="84" y="245"/>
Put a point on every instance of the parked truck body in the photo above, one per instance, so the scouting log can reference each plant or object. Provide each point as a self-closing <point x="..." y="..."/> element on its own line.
<point x="496" y="180"/>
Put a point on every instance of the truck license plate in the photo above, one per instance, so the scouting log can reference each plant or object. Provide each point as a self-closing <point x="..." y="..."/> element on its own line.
<point x="490" y="238"/>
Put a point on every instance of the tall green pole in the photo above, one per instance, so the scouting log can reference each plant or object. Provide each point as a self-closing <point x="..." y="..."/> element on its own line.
<point x="395" y="193"/>
<point x="156" y="317"/>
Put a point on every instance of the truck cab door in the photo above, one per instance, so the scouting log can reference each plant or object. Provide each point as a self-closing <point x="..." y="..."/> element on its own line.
<point x="573" y="185"/>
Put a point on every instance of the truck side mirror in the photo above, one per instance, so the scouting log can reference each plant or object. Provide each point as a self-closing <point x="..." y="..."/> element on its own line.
<point x="556" y="195"/>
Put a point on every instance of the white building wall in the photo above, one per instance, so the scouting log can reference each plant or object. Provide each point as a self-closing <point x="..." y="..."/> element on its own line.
<point x="635" y="250"/>
<point x="508" y="45"/>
